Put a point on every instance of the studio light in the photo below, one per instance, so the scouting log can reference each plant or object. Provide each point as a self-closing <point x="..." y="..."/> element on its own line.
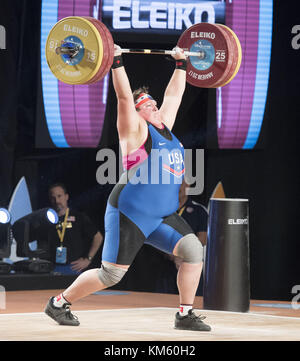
<point x="26" y="230"/>
<point x="5" y="240"/>
<point x="5" y="216"/>
<point x="52" y="216"/>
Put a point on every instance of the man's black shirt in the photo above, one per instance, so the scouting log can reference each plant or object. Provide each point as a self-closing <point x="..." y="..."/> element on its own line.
<point x="78" y="237"/>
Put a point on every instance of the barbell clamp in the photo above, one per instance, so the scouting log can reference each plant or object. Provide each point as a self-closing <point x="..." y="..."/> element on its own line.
<point x="71" y="50"/>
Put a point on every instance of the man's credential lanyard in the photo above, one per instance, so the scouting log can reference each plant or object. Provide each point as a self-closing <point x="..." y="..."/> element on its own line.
<point x="61" y="252"/>
<point x="61" y="233"/>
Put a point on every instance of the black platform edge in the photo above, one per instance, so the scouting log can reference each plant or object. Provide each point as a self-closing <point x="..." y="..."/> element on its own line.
<point x="34" y="281"/>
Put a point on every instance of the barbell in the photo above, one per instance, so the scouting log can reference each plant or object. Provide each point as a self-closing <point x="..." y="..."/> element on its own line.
<point x="80" y="50"/>
<point x="72" y="49"/>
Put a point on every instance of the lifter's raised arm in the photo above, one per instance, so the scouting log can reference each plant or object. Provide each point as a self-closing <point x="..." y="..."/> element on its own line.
<point x="175" y="89"/>
<point x="127" y="121"/>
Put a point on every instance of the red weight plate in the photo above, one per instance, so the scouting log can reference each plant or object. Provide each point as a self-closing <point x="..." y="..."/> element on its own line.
<point x="110" y="51"/>
<point x="236" y="57"/>
<point x="230" y="45"/>
<point x="216" y="44"/>
<point x="100" y="73"/>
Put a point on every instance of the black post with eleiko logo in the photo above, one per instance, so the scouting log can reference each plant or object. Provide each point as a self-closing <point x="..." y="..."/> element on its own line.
<point x="226" y="270"/>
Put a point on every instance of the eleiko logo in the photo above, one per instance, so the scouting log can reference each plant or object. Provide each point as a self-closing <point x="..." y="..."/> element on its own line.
<point x="232" y="221"/>
<point x="145" y="14"/>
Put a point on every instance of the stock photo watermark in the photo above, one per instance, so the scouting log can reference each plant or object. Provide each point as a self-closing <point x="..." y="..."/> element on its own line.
<point x="2" y="298"/>
<point x="296" y="298"/>
<point x="165" y="167"/>
<point x="2" y="37"/>
<point x="296" y="39"/>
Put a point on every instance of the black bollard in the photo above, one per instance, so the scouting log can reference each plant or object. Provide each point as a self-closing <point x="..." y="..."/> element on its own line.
<point x="226" y="272"/>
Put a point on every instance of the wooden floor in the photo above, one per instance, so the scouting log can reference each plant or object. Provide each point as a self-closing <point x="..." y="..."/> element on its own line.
<point x="133" y="316"/>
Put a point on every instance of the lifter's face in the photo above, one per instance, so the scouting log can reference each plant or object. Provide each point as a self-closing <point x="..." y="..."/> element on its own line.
<point x="59" y="200"/>
<point x="149" y="111"/>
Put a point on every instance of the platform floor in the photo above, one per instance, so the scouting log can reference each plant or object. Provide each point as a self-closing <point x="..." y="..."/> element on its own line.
<point x="134" y="316"/>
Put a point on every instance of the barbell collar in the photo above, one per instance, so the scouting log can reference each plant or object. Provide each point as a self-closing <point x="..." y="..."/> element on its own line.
<point x="71" y="49"/>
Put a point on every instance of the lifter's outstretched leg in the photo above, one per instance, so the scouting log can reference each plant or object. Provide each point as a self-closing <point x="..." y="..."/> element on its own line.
<point x="88" y="282"/>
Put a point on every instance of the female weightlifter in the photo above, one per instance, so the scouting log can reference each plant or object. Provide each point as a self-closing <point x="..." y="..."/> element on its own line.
<point x="142" y="206"/>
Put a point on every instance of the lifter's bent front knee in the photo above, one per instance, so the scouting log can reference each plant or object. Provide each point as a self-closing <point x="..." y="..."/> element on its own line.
<point x="190" y="249"/>
<point x="110" y="274"/>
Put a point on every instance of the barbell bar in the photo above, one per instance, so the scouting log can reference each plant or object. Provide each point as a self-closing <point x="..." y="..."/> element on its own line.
<point x="72" y="50"/>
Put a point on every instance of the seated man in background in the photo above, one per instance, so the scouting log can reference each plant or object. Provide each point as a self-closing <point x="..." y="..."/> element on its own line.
<point x="75" y="240"/>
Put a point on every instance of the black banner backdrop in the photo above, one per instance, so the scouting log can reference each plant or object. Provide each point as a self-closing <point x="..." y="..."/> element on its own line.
<point x="269" y="176"/>
<point x="9" y="58"/>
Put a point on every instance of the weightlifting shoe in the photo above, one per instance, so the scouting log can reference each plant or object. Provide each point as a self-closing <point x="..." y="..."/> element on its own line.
<point x="191" y="322"/>
<point x="62" y="315"/>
